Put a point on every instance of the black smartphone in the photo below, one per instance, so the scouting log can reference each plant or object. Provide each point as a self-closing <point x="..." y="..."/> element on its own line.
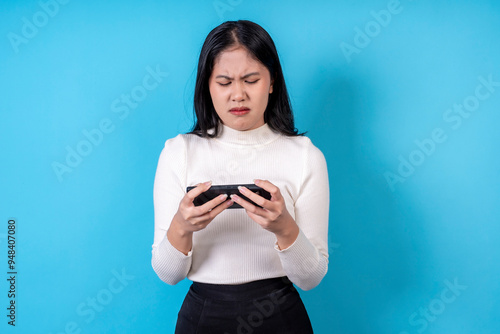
<point x="229" y="189"/>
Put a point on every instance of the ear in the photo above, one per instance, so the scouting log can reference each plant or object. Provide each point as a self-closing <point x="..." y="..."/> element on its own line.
<point x="271" y="87"/>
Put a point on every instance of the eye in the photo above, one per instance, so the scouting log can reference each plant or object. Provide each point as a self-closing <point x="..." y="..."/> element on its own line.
<point x="252" y="82"/>
<point x="226" y="84"/>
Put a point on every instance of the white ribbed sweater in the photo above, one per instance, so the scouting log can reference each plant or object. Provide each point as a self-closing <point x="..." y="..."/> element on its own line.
<point x="234" y="249"/>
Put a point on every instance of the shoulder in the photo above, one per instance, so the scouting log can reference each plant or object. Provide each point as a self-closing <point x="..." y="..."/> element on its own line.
<point x="307" y="151"/>
<point x="175" y="143"/>
<point x="182" y="139"/>
<point x="305" y="143"/>
<point x="183" y="142"/>
<point x="174" y="148"/>
<point x="299" y="142"/>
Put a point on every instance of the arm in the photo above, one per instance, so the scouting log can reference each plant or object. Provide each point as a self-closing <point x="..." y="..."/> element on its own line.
<point x="170" y="264"/>
<point x="306" y="260"/>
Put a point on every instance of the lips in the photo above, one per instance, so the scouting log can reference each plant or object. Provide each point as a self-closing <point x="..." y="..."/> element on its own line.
<point x="239" y="111"/>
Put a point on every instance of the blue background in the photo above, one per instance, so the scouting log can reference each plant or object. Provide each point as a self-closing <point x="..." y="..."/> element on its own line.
<point x="395" y="246"/>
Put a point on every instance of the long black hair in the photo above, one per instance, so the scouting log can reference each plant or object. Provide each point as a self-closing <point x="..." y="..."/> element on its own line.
<point x="278" y="114"/>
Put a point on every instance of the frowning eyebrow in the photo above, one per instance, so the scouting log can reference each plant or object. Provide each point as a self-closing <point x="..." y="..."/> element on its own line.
<point x="243" y="77"/>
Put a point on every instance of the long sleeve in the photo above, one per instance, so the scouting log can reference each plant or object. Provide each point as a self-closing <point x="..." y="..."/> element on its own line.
<point x="170" y="264"/>
<point x="306" y="260"/>
<point x="232" y="248"/>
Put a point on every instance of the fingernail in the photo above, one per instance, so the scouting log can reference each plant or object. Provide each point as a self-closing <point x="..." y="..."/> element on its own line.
<point x="223" y="197"/>
<point x="241" y="189"/>
<point x="234" y="197"/>
<point x="256" y="181"/>
<point x="208" y="183"/>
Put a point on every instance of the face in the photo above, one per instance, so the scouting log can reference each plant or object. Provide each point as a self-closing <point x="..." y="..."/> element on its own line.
<point x="239" y="81"/>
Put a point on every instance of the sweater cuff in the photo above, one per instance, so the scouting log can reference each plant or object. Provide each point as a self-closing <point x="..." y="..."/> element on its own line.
<point x="302" y="263"/>
<point x="169" y="263"/>
<point x="300" y="245"/>
<point x="169" y="249"/>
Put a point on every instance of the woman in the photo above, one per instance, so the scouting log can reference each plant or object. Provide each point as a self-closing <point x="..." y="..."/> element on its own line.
<point x="243" y="262"/>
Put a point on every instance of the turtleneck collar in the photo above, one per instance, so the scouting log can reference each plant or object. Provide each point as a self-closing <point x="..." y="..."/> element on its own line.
<point x="258" y="136"/>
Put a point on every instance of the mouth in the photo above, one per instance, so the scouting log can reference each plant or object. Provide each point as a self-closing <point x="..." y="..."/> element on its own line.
<point x="239" y="111"/>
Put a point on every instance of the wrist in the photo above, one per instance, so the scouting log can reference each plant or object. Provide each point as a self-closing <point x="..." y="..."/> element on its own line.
<point x="179" y="238"/>
<point x="177" y="229"/>
<point x="290" y="232"/>
<point x="288" y="235"/>
<point x="288" y="228"/>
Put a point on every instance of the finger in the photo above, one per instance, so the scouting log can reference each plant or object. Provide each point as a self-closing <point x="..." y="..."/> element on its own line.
<point x="271" y="188"/>
<point x="212" y="203"/>
<point x="196" y="191"/>
<point x="247" y="205"/>
<point x="223" y="206"/>
<point x="210" y="215"/>
<point x="257" y="199"/>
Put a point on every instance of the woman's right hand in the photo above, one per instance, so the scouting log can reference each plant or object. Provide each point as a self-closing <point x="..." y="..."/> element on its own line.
<point x="190" y="218"/>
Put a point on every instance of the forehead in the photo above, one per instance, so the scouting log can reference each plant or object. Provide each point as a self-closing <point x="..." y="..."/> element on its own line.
<point x="236" y="60"/>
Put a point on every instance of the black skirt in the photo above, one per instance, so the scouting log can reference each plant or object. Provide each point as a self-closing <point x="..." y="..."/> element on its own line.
<point x="270" y="306"/>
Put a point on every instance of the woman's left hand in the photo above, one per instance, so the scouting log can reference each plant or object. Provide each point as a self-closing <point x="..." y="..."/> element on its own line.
<point x="273" y="216"/>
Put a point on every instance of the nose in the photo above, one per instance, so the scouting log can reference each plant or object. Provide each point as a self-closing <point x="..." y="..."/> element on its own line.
<point x="238" y="93"/>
